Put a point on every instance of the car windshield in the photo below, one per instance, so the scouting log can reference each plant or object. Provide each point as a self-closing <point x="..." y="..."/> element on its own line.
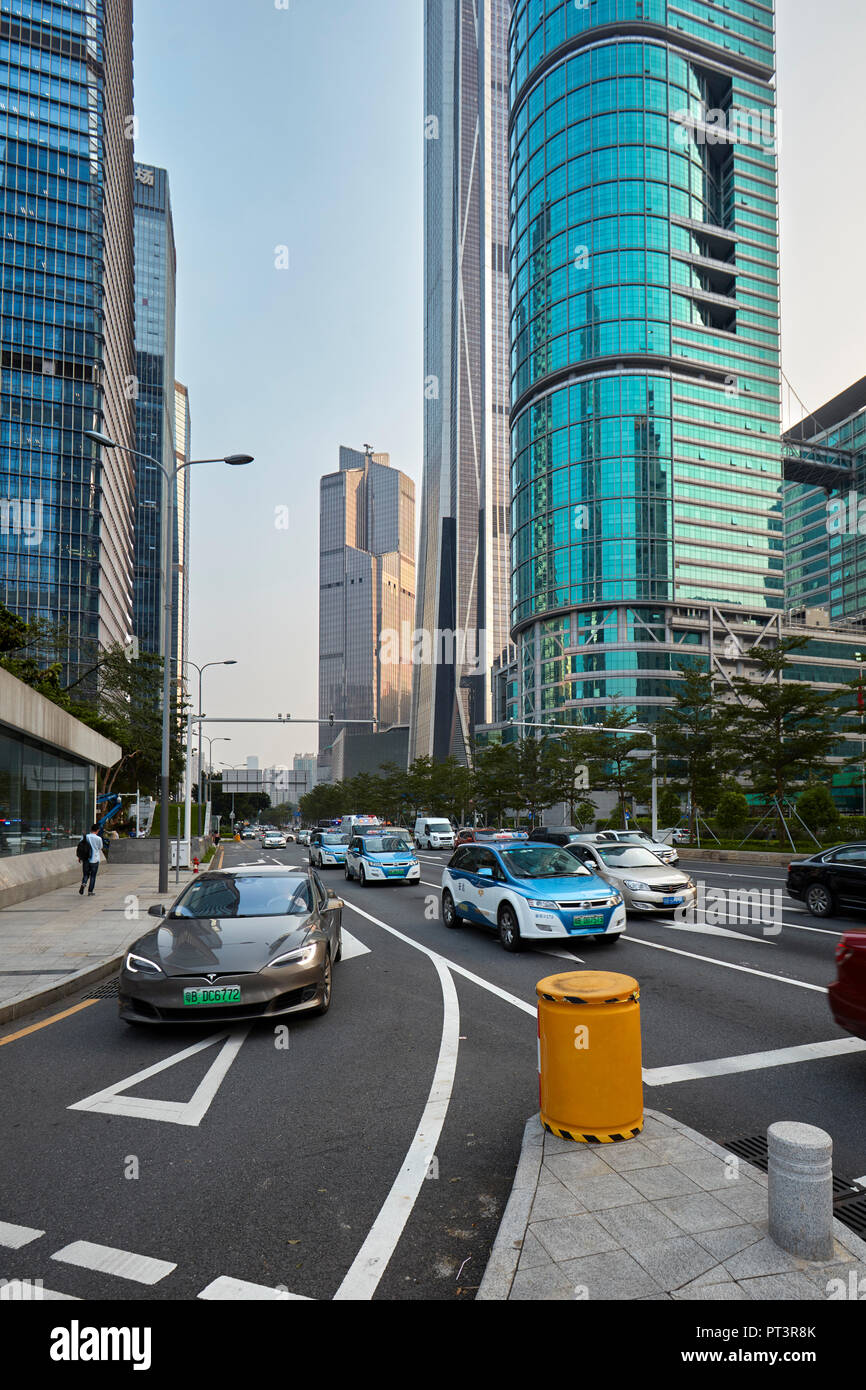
<point x="236" y="895"/>
<point x="626" y="857"/>
<point x="385" y="844"/>
<point x="335" y="839"/>
<point x="438" y="826"/>
<point x="535" y="862"/>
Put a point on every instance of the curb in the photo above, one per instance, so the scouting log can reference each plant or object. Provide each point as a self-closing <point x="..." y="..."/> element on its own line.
<point x="507" y="1247"/>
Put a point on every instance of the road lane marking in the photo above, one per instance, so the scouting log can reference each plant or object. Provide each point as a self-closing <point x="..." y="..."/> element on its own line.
<point x="373" y="1258"/>
<point x="226" y="1290"/>
<point x="452" y="965"/>
<point x="352" y="947"/>
<point x="727" y="965"/>
<point x="112" y="1101"/>
<point x="140" y="1269"/>
<point x="25" y="1291"/>
<point x="46" y="1023"/>
<point x="752" y="1061"/>
<point x="710" y="929"/>
<point x="14" y="1237"/>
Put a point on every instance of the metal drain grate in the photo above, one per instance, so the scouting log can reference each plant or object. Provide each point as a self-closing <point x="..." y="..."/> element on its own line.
<point x="849" y="1198"/>
<point x="107" y="991"/>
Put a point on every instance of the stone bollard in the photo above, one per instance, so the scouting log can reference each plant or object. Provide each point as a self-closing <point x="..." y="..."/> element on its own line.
<point x="801" y="1190"/>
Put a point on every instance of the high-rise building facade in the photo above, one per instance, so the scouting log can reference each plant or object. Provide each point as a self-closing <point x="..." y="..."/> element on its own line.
<point x="155" y="311"/>
<point x="646" y="456"/>
<point x="366" y="593"/>
<point x="66" y="318"/>
<point x="463" y="552"/>
<point x="825" y="520"/>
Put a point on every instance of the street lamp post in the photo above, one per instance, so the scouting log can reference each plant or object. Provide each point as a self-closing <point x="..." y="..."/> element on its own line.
<point x="234" y="461"/>
<point x="203" y="738"/>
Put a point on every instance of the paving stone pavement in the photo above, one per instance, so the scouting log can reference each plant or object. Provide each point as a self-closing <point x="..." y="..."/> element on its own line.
<point x="669" y="1215"/>
<point x="52" y="945"/>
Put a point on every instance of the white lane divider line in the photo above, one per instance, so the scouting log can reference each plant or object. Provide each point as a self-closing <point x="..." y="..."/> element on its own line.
<point x="226" y="1290"/>
<point x="861" y="1182"/>
<point x="14" y="1237"/>
<point x="25" y="1291"/>
<point x="727" y="965"/>
<point x="113" y="1101"/>
<point x="451" y="964"/>
<point x="372" y="1259"/>
<point x="752" y="1061"/>
<point x="140" y="1269"/>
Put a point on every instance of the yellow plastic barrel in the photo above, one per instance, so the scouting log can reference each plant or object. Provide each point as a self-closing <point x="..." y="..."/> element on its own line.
<point x="590" y="1082"/>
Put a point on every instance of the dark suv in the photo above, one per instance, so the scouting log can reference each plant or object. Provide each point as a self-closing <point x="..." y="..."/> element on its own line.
<point x="830" y="879"/>
<point x="554" y="835"/>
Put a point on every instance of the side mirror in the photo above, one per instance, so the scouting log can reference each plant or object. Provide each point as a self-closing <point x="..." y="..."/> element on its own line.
<point x="157" y="911"/>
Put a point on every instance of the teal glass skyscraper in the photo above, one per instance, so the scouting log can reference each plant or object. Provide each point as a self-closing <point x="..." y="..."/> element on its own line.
<point x="646" y="458"/>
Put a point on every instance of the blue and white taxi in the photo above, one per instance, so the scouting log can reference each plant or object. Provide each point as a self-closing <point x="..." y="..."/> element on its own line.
<point x="328" y="848"/>
<point x="386" y="857"/>
<point x="529" y="892"/>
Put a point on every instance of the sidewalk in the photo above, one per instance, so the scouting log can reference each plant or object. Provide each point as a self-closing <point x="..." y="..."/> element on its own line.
<point x="669" y="1215"/>
<point x="57" y="943"/>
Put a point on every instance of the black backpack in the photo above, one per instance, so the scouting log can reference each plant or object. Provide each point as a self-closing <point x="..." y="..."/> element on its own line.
<point x="83" y="850"/>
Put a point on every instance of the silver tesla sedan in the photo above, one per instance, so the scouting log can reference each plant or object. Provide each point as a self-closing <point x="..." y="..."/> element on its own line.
<point x="646" y="884"/>
<point x="240" y="944"/>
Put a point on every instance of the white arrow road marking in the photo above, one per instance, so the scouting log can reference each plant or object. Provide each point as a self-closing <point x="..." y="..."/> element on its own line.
<point x="372" y="1259"/>
<point x="226" y="1290"/>
<point x="13" y="1237"/>
<point x="112" y="1100"/>
<point x="707" y="929"/>
<point x="353" y="947"/>
<point x="104" y="1258"/>
<point x="752" y="1061"/>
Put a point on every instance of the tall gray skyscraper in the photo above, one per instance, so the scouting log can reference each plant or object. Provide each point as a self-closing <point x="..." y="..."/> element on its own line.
<point x="366" y="593"/>
<point x="463" y="553"/>
<point x="66" y="261"/>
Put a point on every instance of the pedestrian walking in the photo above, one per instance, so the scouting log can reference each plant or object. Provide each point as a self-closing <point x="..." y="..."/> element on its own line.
<point x="90" y="853"/>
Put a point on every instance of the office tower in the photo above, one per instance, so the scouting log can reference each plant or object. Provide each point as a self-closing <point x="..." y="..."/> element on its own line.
<point x="366" y="593"/>
<point x="155" y="305"/>
<point x="66" y="260"/>
<point x="825" y="508"/>
<point x="463" y="552"/>
<point x="645" y="344"/>
<point x="180" y="591"/>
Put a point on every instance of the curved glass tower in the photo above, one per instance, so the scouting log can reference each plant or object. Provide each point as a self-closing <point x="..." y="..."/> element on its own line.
<point x="646" y="460"/>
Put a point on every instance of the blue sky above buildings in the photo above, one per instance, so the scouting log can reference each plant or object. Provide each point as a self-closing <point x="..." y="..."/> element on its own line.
<point x="302" y="128"/>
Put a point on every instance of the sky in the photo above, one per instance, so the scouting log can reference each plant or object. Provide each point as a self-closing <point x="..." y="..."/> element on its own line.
<point x="292" y="131"/>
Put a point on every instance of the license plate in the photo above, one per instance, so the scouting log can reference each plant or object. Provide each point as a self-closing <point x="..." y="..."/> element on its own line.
<point x="206" y="998"/>
<point x="672" y="902"/>
<point x="396" y="873"/>
<point x="597" y="921"/>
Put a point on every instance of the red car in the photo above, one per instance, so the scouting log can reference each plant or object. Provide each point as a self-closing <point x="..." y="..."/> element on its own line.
<point x="848" y="992"/>
<point x="482" y="835"/>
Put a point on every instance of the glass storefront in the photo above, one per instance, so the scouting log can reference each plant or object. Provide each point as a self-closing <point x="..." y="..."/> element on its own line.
<point x="46" y="799"/>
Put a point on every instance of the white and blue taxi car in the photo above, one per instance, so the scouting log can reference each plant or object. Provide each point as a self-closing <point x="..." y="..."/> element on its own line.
<point x="388" y="856"/>
<point x="529" y="892"/>
<point x="328" y="848"/>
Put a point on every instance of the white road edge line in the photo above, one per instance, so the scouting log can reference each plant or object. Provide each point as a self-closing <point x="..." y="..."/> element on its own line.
<point x="141" y="1269"/>
<point x="727" y="965"/>
<point x="372" y="1259"/>
<point x="752" y="1061"/>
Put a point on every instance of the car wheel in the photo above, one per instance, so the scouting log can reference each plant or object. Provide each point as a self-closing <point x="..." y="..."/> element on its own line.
<point x="607" y="940"/>
<point x="362" y="877"/>
<point x="328" y="982"/>
<point x="509" y="929"/>
<point x="348" y="874"/>
<point x="450" y="916"/>
<point x="819" y="900"/>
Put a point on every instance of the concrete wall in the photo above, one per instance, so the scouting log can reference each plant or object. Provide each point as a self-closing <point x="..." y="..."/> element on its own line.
<point x="24" y="711"/>
<point x="24" y="876"/>
<point x="147" y="851"/>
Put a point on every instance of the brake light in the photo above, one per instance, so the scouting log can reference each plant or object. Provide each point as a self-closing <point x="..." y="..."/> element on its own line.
<point x="843" y="953"/>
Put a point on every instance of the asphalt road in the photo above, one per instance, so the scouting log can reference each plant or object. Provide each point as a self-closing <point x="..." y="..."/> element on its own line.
<point x="310" y="1169"/>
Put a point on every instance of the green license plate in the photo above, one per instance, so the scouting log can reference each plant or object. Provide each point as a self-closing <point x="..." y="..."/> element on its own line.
<point x="395" y="873"/>
<point x="597" y="921"/>
<point x="207" y="998"/>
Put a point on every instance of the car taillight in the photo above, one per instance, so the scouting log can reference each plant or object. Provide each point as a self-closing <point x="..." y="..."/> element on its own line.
<point x="843" y="953"/>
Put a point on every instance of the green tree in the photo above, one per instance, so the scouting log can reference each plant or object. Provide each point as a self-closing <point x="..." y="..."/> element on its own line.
<point x="691" y="733"/>
<point x="817" y="809"/>
<point x="613" y="765"/>
<point x="496" y="780"/>
<point x="781" y="730"/>
<point x="732" y="813"/>
<point x="573" y="753"/>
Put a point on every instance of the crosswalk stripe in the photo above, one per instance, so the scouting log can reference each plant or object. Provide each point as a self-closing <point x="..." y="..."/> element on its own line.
<point x="25" y="1291"/>
<point x="13" y="1237"/>
<point x="141" y="1269"/>
<point x="226" y="1290"/>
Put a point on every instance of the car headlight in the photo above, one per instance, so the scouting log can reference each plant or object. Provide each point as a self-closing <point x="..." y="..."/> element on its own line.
<point x="636" y="886"/>
<point x="140" y="965"/>
<point x="303" y="956"/>
<point x="614" y="901"/>
<point x="540" y="905"/>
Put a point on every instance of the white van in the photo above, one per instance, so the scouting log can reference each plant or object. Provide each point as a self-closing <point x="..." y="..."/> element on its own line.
<point x="434" y="832"/>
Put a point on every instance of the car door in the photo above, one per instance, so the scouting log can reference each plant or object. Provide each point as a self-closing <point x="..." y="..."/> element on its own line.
<point x="847" y="873"/>
<point x="462" y="873"/>
<point x="484" y="886"/>
<point x="329" y="914"/>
